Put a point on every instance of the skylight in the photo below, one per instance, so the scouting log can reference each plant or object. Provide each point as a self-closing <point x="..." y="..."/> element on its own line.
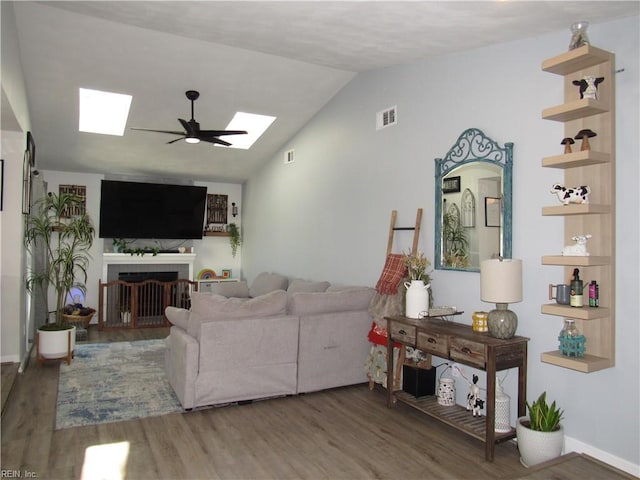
<point x="254" y="124"/>
<point x="103" y="112"/>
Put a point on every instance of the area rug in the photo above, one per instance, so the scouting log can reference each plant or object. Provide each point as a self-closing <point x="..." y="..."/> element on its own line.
<point x="112" y="382"/>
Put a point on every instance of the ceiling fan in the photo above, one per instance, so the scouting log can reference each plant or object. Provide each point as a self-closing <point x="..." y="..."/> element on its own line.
<point x="192" y="132"/>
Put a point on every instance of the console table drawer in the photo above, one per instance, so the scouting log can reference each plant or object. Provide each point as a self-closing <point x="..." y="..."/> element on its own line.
<point x="467" y="351"/>
<point x="434" y="343"/>
<point x="403" y="333"/>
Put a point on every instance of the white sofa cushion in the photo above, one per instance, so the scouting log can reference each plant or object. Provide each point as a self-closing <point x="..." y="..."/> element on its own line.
<point x="178" y="317"/>
<point x="267" y="282"/>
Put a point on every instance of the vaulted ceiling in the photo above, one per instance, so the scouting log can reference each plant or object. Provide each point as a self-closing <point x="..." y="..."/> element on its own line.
<point x="285" y="59"/>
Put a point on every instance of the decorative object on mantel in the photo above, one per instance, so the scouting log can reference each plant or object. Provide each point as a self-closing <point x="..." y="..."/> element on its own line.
<point x="579" y="35"/>
<point x="579" y="249"/>
<point x="501" y="283"/>
<point x="567" y="142"/>
<point x="235" y="239"/>
<point x="540" y="435"/>
<point x="226" y="273"/>
<point x="569" y="195"/>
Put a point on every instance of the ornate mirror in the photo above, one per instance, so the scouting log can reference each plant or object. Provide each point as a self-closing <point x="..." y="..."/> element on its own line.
<point x="473" y="202"/>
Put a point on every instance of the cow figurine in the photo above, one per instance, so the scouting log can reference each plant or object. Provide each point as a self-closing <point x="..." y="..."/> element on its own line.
<point x="589" y="86"/>
<point x="473" y="398"/>
<point x="579" y="249"/>
<point x="571" y="195"/>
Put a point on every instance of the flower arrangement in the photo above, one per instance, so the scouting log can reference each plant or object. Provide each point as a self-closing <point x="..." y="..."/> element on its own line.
<point x="417" y="264"/>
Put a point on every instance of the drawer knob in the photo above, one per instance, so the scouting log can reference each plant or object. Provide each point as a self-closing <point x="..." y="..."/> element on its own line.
<point x="465" y="350"/>
<point x="402" y="332"/>
<point x="431" y="340"/>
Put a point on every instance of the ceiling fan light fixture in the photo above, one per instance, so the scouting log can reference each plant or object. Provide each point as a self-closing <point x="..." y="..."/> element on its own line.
<point x="192" y="140"/>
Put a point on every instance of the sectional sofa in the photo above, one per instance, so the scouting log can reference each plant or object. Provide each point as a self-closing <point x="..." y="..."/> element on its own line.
<point x="271" y="339"/>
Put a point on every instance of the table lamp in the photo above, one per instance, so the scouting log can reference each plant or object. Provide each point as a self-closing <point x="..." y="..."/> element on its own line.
<point x="501" y="283"/>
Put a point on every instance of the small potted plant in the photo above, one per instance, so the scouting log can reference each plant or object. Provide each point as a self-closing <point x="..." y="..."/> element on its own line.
<point x="540" y="435"/>
<point x="66" y="241"/>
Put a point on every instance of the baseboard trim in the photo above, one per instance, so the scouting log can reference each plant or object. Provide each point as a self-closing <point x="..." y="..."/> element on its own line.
<point x="573" y="445"/>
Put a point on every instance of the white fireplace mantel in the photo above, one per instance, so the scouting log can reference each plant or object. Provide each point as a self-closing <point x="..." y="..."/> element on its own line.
<point x="147" y="259"/>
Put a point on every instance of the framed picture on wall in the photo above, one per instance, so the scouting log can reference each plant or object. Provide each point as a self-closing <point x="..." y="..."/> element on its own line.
<point x="26" y="183"/>
<point x="217" y="208"/>
<point x="31" y="147"/>
<point x="1" y="183"/>
<point x="492" y="210"/>
<point x="451" y="185"/>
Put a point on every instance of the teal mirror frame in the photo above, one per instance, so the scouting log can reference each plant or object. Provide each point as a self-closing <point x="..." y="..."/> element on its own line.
<point x="474" y="146"/>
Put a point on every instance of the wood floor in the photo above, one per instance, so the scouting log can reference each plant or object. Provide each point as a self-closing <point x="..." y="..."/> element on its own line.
<point x="344" y="433"/>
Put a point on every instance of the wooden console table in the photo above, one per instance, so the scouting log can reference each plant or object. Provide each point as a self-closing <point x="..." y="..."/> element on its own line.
<point x="458" y="342"/>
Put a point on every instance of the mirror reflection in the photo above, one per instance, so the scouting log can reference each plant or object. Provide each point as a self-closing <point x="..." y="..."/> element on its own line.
<point x="473" y="202"/>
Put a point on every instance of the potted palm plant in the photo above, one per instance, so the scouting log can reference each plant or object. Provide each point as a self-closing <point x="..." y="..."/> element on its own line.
<point x="540" y="435"/>
<point x="66" y="240"/>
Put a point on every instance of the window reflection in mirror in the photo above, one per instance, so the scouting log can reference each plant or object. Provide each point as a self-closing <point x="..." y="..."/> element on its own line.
<point x="473" y="202"/>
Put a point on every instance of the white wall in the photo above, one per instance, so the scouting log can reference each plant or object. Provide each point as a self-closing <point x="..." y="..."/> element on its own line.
<point x="326" y="215"/>
<point x="15" y="116"/>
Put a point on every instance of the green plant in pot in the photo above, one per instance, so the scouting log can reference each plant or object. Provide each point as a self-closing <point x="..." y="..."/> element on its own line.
<point x="540" y="435"/>
<point x="235" y="239"/>
<point x="66" y="241"/>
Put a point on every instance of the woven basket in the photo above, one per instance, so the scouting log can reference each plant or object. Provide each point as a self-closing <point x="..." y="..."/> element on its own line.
<point x="82" y="319"/>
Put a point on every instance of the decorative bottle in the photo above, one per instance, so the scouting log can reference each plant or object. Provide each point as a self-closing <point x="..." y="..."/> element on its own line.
<point x="594" y="300"/>
<point x="576" y="289"/>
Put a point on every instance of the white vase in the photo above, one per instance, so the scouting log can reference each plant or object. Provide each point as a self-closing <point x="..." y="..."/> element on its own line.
<point x="417" y="299"/>
<point x="536" y="447"/>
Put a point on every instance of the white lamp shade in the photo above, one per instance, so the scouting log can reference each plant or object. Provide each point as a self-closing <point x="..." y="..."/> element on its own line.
<point x="501" y="280"/>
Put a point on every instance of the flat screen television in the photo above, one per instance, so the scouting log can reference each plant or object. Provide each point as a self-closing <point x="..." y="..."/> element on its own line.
<point x="151" y="210"/>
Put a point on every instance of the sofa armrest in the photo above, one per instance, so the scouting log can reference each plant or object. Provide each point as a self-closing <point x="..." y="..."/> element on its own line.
<point x="181" y="356"/>
<point x="313" y="303"/>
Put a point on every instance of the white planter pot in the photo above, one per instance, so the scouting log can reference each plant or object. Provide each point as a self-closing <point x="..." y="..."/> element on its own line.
<point x="536" y="447"/>
<point x="56" y="344"/>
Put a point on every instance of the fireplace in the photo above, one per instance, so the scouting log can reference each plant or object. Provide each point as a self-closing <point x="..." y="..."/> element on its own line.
<point x="138" y="289"/>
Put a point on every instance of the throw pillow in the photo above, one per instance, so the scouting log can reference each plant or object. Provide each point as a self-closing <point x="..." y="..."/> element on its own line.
<point x="299" y="285"/>
<point x="231" y="289"/>
<point x="267" y="282"/>
<point x="216" y="307"/>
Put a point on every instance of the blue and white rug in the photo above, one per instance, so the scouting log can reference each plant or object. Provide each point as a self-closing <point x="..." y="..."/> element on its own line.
<point x="112" y="382"/>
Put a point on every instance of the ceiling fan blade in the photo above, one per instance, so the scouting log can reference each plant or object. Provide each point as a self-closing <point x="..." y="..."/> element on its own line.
<point x="217" y="133"/>
<point x="215" y="140"/>
<point x="174" y="141"/>
<point x="170" y="132"/>
<point x="192" y="127"/>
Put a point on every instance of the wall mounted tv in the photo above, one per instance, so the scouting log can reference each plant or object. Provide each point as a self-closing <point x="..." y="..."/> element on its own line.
<point x="151" y="210"/>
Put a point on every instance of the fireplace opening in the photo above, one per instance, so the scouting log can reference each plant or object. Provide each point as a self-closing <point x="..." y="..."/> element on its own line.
<point x="150" y="297"/>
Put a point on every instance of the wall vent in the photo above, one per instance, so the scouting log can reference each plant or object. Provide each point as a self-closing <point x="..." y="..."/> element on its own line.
<point x="387" y="117"/>
<point x="288" y="157"/>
